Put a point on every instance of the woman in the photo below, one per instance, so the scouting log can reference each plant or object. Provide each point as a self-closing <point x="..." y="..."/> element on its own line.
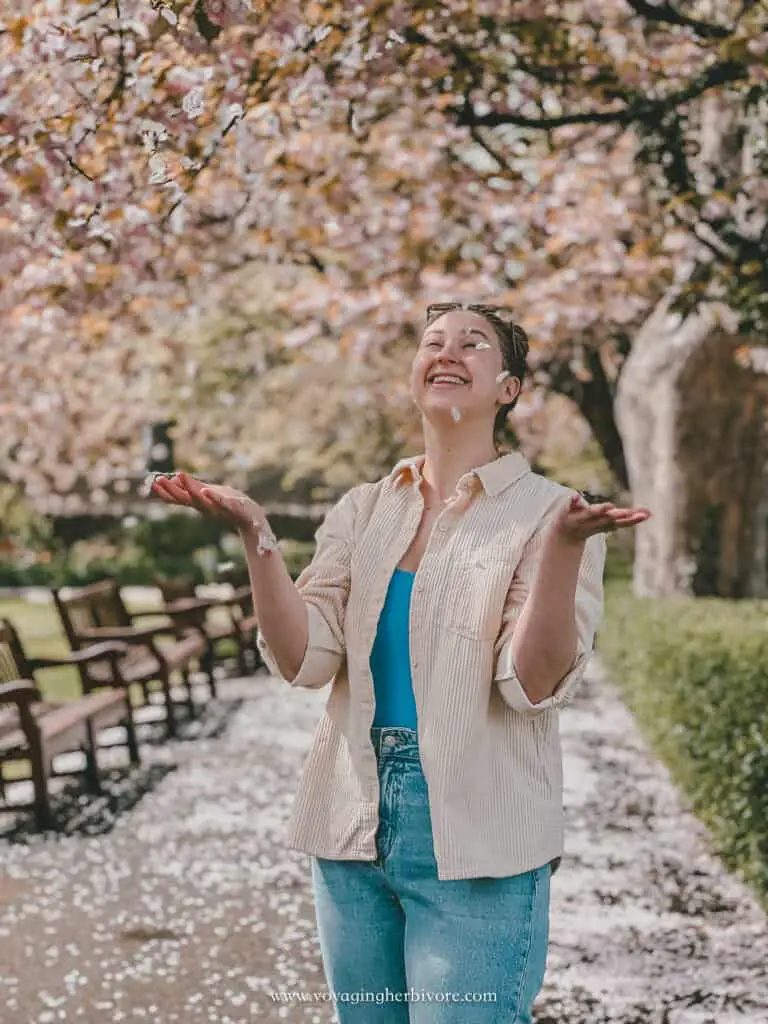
<point x="453" y="604"/>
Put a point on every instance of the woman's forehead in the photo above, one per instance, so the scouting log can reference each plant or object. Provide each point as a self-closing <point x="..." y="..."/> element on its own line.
<point x="458" y="319"/>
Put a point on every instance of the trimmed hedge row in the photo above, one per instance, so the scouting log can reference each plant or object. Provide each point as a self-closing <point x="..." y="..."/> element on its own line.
<point x="134" y="567"/>
<point x="695" y="674"/>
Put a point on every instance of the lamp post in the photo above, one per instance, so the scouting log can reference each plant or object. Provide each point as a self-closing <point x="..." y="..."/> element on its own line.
<point x="158" y="447"/>
<point x="158" y="458"/>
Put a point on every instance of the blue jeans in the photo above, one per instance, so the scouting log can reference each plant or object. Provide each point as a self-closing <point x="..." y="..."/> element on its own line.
<point x="400" y="946"/>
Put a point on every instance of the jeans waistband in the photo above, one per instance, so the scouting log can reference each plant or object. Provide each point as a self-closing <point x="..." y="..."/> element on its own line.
<point x="396" y="741"/>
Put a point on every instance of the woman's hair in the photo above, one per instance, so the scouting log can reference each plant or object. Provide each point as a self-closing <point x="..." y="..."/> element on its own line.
<point x="512" y="339"/>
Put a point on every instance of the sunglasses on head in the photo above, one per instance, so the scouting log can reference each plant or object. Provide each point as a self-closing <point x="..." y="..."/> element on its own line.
<point x="438" y="308"/>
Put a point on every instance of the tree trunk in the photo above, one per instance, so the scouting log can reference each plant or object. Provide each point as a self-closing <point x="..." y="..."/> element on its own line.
<point x="693" y="423"/>
<point x="595" y="399"/>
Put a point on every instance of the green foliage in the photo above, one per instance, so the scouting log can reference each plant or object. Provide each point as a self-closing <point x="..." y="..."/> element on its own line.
<point x="130" y="566"/>
<point x="297" y="555"/>
<point x="618" y="561"/>
<point x="170" y="545"/>
<point x="136" y="555"/>
<point x="695" y="673"/>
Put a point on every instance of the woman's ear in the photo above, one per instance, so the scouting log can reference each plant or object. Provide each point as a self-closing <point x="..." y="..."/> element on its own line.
<point x="513" y="387"/>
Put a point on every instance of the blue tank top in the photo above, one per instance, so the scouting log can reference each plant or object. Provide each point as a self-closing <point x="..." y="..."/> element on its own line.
<point x="390" y="657"/>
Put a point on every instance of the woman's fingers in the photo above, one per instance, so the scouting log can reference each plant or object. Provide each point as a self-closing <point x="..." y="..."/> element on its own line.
<point x="612" y="513"/>
<point x="162" y="488"/>
<point x="203" y="496"/>
<point x="192" y="486"/>
<point x="607" y="517"/>
<point x="630" y="519"/>
<point x="170" y="487"/>
<point x="179" y="494"/>
<point x="212" y="499"/>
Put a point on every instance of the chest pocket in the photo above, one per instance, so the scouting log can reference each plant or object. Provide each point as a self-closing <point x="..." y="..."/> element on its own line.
<point x="479" y="585"/>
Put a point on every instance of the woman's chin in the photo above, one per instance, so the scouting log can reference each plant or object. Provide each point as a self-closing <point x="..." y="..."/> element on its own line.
<point x="444" y="411"/>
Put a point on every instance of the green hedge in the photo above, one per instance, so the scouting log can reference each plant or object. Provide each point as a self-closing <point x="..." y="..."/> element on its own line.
<point x="138" y="566"/>
<point x="132" y="568"/>
<point x="695" y="674"/>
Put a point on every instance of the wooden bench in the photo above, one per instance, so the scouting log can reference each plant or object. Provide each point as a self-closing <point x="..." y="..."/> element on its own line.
<point x="97" y="613"/>
<point x="239" y="624"/>
<point x="36" y="731"/>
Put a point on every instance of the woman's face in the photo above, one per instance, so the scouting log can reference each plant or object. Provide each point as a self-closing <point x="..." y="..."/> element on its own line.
<point x="465" y="346"/>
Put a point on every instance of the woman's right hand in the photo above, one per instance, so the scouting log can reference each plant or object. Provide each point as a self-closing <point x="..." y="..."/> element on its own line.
<point x="218" y="501"/>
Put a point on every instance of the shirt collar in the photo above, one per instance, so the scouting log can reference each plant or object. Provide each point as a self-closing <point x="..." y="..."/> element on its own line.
<point x="495" y="476"/>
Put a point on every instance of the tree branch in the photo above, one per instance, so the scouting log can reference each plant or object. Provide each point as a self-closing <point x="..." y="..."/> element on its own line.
<point x="639" y="108"/>
<point x="76" y="167"/>
<point x="489" y="149"/>
<point x="665" y="12"/>
<point x="594" y="398"/>
<point x="122" y="76"/>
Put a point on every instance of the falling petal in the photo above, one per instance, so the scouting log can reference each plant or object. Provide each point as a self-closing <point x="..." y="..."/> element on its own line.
<point x="483" y="344"/>
<point x="456" y="414"/>
<point x="267" y="541"/>
<point x="146" y="487"/>
<point x="501" y="376"/>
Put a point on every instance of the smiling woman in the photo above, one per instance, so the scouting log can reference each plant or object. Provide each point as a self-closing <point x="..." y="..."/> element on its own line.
<point x="486" y="329"/>
<point x="448" y="604"/>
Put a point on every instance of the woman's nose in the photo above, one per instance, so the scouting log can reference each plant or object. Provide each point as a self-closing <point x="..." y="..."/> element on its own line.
<point x="449" y="351"/>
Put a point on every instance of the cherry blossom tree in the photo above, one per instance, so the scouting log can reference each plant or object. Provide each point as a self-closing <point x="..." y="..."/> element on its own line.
<point x="559" y="157"/>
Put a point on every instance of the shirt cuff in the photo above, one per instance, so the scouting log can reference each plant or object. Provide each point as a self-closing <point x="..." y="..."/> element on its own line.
<point x="511" y="689"/>
<point x="322" y="659"/>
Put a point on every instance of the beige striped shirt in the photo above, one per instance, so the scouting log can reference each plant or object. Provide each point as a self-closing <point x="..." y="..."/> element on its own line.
<point x="491" y="758"/>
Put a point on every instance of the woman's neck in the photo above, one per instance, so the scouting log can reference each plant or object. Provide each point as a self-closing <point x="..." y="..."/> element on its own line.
<point x="447" y="461"/>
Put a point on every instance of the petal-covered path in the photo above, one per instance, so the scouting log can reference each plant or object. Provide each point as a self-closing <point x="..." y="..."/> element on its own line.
<point x="191" y="911"/>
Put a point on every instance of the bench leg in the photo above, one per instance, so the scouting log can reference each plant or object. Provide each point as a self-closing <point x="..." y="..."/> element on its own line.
<point x="170" y="714"/>
<point x="208" y="664"/>
<point x="242" y="645"/>
<point x="92" y="780"/>
<point x="130" y="736"/>
<point x="44" y="818"/>
<point x="188" y="688"/>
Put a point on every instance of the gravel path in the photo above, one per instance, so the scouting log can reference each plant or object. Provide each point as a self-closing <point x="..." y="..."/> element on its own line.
<point x="190" y="910"/>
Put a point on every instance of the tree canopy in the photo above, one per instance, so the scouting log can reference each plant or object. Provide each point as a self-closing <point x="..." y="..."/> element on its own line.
<point x="570" y="158"/>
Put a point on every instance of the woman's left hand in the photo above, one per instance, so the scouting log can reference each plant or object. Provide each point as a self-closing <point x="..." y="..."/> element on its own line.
<point x="577" y="520"/>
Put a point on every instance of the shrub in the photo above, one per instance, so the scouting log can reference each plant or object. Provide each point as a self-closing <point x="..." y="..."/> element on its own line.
<point x="695" y="673"/>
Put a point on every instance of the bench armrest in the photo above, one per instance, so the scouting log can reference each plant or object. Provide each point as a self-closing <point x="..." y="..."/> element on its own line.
<point x="126" y="634"/>
<point x="240" y="595"/>
<point x="19" y="691"/>
<point x="97" y="652"/>
<point x="184" y="605"/>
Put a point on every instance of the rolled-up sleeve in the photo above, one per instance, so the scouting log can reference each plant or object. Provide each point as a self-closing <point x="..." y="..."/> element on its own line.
<point x="588" y="609"/>
<point x="324" y="587"/>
